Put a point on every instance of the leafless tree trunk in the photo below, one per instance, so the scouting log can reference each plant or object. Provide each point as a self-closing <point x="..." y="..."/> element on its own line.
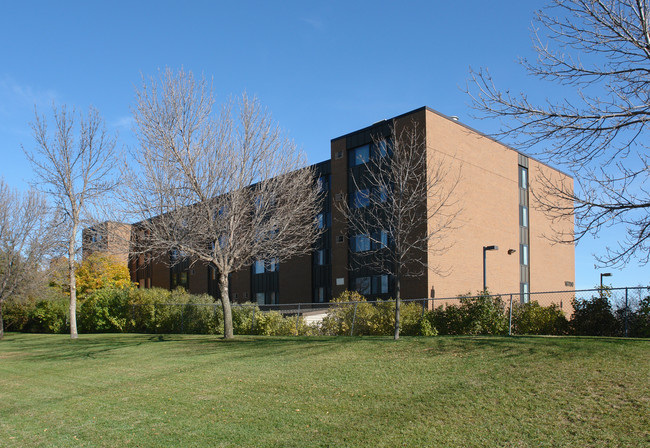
<point x="224" y="190"/>
<point x="74" y="167"/>
<point x="600" y="49"/>
<point x="25" y="239"/>
<point x="403" y="203"/>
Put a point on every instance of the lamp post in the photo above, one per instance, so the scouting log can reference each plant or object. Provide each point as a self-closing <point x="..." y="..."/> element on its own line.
<point x="485" y="249"/>
<point x="604" y="274"/>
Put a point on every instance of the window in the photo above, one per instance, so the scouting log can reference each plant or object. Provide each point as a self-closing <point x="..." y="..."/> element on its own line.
<point x="362" y="285"/>
<point x="380" y="284"/>
<point x="380" y="194"/>
<point x="259" y="297"/>
<point x="525" y="293"/>
<point x="324" y="220"/>
<point x="360" y="198"/>
<point x="323" y="183"/>
<point x="258" y="267"/>
<point x="523" y="177"/>
<point x="381" y="149"/>
<point x="523" y="249"/>
<point x="320" y="257"/>
<point x="523" y="216"/>
<point x="360" y="243"/>
<point x="273" y="298"/>
<point x="320" y="294"/>
<point x="359" y="156"/>
<point x="272" y="265"/>
<point x="379" y="240"/>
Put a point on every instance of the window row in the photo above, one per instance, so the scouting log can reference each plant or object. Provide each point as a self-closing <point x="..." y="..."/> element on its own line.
<point x="262" y="266"/>
<point x="376" y="284"/>
<point x="267" y="298"/>
<point x="364" y="242"/>
<point x="361" y="198"/>
<point x="362" y="154"/>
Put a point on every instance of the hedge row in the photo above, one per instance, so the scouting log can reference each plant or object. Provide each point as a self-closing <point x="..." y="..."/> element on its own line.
<point x="161" y="311"/>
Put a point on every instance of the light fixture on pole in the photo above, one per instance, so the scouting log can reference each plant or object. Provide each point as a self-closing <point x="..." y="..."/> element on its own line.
<point x="485" y="249"/>
<point x="604" y="274"/>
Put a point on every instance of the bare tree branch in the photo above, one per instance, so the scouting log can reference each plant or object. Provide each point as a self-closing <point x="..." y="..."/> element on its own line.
<point x="73" y="164"/>
<point x="601" y="50"/>
<point x="403" y="207"/>
<point x="224" y="190"/>
<point x="26" y="236"/>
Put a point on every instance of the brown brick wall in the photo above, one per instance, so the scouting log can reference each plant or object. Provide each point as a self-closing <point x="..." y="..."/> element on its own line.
<point x="295" y="280"/>
<point x="488" y="198"/>
<point x="551" y="263"/>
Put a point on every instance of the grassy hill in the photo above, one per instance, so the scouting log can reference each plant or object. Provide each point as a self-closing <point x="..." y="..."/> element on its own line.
<point x="161" y="391"/>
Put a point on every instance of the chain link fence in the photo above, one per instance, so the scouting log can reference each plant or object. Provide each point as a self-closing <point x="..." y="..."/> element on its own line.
<point x="353" y="318"/>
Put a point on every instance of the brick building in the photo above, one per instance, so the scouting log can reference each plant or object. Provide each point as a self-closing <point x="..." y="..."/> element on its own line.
<point x="494" y="193"/>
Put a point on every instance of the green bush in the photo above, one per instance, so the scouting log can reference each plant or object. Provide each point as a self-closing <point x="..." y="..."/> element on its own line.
<point x="532" y="318"/>
<point x="594" y="316"/>
<point x="249" y="319"/>
<point x="374" y="319"/>
<point x="157" y="310"/>
<point x="242" y="318"/>
<point x="202" y="315"/>
<point x="638" y="319"/>
<point x="104" y="311"/>
<point x="482" y="314"/>
<point x="15" y="314"/>
<point x="48" y="316"/>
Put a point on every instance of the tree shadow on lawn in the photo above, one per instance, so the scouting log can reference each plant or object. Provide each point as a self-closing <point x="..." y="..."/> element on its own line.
<point x="51" y="347"/>
<point x="515" y="346"/>
<point x="61" y="347"/>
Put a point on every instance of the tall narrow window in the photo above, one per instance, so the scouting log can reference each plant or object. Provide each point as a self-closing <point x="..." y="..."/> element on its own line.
<point x="380" y="284"/>
<point x="320" y="257"/>
<point x="525" y="293"/>
<point x="324" y="220"/>
<point x="258" y="267"/>
<point x="523" y="177"/>
<point x="523" y="216"/>
<point x="523" y="249"/>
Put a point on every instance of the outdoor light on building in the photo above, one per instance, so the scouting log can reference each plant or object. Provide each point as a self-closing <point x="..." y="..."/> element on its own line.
<point x="485" y="249"/>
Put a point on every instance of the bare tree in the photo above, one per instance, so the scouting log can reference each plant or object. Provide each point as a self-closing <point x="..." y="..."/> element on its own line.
<point x="73" y="166"/>
<point x="222" y="190"/>
<point x="403" y="208"/>
<point x="25" y="239"/>
<point x="599" y="50"/>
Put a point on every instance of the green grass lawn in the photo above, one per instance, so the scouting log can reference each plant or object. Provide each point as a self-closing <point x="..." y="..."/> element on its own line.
<point x="149" y="390"/>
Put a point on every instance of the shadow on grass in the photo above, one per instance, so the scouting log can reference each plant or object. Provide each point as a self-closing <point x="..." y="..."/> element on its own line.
<point x="61" y="347"/>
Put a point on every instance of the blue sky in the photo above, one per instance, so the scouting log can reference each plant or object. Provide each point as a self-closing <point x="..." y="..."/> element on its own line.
<point x="322" y="68"/>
